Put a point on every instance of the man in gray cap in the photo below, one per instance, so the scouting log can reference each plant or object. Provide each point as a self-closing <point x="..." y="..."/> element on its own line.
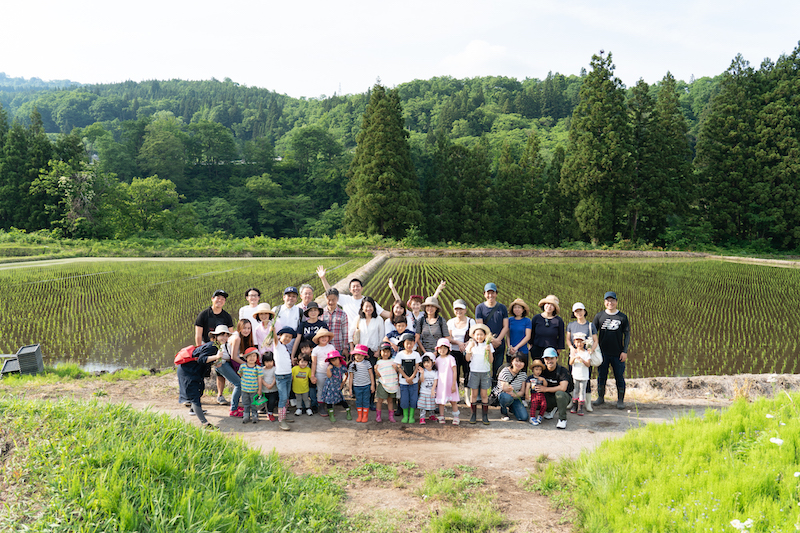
<point x="614" y="336"/>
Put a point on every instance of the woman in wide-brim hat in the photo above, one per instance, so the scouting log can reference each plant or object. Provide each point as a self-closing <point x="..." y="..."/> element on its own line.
<point x="431" y="327"/>
<point x="519" y="331"/>
<point x="547" y="328"/>
<point x="263" y="314"/>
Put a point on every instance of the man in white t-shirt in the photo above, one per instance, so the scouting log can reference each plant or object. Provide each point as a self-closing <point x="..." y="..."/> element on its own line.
<point x="351" y="303"/>
<point x="288" y="314"/>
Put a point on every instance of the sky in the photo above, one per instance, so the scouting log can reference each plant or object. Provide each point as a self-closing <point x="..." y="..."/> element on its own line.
<point x="315" y="48"/>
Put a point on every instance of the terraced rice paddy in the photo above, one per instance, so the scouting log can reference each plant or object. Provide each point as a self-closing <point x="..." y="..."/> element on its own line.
<point x="688" y="316"/>
<point x="138" y="313"/>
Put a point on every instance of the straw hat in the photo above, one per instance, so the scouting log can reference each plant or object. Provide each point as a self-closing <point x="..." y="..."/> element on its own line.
<point x="431" y="300"/>
<point x="484" y="327"/>
<point x="263" y="307"/>
<point x="322" y="332"/>
<point x="520" y="302"/>
<point x="551" y="299"/>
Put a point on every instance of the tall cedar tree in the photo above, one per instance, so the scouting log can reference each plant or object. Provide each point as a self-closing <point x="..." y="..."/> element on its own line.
<point x="777" y="201"/>
<point x="726" y="162"/>
<point x="516" y="196"/>
<point x="383" y="187"/>
<point x="597" y="168"/>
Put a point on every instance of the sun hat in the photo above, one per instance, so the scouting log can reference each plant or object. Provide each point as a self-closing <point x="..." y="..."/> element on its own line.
<point x="220" y="292"/>
<point x="360" y="349"/>
<point x="521" y="302"/>
<point x="262" y="308"/>
<point x="432" y="300"/>
<point x="443" y="342"/>
<point x="288" y="290"/>
<point x="431" y="355"/>
<point x="610" y="294"/>
<point x="222" y="328"/>
<point x="312" y="305"/>
<point x="578" y="305"/>
<point x="459" y="304"/>
<point x="334" y="354"/>
<point x="538" y="363"/>
<point x="406" y="336"/>
<point x="321" y="332"/>
<point x="490" y="287"/>
<point x="551" y="299"/>
<point x="550" y="352"/>
<point x="483" y="327"/>
<point x="288" y="330"/>
<point x="579" y="336"/>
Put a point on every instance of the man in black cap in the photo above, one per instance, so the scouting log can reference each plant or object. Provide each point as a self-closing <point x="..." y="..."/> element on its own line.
<point x="208" y="320"/>
<point x="614" y="336"/>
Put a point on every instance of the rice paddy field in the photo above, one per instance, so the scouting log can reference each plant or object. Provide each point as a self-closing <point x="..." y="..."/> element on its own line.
<point x="136" y="313"/>
<point x="688" y="316"/>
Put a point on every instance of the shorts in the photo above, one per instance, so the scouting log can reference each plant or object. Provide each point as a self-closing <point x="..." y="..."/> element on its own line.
<point x="479" y="380"/>
<point x="382" y="394"/>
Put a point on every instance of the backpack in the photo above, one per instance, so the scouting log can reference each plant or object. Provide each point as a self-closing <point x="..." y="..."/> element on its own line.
<point x="185" y="355"/>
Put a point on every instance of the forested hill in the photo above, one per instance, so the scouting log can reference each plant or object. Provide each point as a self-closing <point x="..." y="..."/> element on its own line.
<point x="537" y="161"/>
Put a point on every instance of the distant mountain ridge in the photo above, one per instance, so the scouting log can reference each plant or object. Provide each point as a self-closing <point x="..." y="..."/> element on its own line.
<point x="34" y="83"/>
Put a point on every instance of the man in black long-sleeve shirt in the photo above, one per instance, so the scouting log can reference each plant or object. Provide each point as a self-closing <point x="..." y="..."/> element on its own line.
<point x="614" y="336"/>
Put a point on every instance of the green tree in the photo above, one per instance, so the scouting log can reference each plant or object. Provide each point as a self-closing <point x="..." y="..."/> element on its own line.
<point x="163" y="150"/>
<point x="597" y="167"/>
<point x="383" y="189"/>
<point x="146" y="205"/>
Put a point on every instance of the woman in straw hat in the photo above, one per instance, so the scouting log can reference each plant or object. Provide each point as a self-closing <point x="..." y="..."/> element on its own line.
<point x="431" y="327"/>
<point x="547" y="328"/>
<point x="519" y="331"/>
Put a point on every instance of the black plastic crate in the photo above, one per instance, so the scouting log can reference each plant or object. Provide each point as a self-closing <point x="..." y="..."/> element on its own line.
<point x="30" y="359"/>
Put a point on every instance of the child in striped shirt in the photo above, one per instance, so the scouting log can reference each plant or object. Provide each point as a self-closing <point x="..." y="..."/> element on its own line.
<point x="251" y="384"/>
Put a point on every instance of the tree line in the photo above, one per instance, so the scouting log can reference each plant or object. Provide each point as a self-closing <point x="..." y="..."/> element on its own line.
<point x="544" y="162"/>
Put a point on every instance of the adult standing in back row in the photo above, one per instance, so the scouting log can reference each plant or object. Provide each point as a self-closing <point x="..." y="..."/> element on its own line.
<point x="614" y="332"/>
<point x="207" y="321"/>
<point x="494" y="315"/>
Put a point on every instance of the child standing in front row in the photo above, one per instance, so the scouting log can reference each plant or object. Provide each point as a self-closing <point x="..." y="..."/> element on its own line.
<point x="537" y="399"/>
<point x="408" y="360"/>
<point x="447" y="388"/>
<point x="269" y="386"/>
<point x="251" y="375"/>
<point x="301" y="379"/>
<point x="479" y="354"/>
<point x="388" y="384"/>
<point x="427" y="388"/>
<point x="362" y="383"/>
<point x="581" y="360"/>
<point x="334" y="382"/>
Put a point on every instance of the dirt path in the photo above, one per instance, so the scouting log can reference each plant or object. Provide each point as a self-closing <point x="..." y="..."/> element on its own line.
<point x="503" y="453"/>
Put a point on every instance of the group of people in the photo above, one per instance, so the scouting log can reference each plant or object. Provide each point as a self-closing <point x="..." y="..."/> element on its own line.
<point x="302" y="355"/>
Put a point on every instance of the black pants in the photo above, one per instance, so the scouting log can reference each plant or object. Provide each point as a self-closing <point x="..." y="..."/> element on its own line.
<point x="462" y="365"/>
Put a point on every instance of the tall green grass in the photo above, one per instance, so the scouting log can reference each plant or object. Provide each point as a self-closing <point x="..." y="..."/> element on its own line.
<point x="99" y="468"/>
<point x="696" y="474"/>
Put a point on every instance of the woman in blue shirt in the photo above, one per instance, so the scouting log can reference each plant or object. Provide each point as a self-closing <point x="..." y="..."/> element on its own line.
<point x="519" y="331"/>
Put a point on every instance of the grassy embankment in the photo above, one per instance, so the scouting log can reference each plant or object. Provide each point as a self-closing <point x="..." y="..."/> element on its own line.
<point x="718" y="473"/>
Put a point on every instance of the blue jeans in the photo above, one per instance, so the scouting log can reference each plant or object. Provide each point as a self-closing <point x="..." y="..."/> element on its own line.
<point x="361" y="392"/>
<point x="619" y="375"/>
<point x="408" y="395"/>
<point x="227" y="371"/>
<point x="506" y="401"/>
<point x="284" y="382"/>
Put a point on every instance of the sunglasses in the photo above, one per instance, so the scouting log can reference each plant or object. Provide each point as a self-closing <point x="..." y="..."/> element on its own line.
<point x="547" y="322"/>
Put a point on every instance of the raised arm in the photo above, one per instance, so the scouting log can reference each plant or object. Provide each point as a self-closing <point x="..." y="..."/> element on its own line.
<point x="321" y="273"/>
<point x="439" y="289"/>
<point x="394" y="290"/>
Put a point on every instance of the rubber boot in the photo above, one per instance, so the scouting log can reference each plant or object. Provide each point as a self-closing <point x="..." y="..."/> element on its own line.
<point x="405" y="416"/>
<point x="601" y="396"/>
<point x="391" y="416"/>
<point x="589" y="403"/>
<point x="410" y="415"/>
<point x="474" y="418"/>
<point x="378" y="416"/>
<point x="485" y="411"/>
<point x="330" y="415"/>
<point x="348" y="415"/>
<point x="620" y="398"/>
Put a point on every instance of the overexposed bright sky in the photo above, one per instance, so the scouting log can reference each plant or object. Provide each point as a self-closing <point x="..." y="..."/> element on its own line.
<point x="311" y="48"/>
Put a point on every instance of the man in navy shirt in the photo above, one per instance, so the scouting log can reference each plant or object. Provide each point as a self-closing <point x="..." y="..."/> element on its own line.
<point x="614" y="336"/>
<point x="495" y="316"/>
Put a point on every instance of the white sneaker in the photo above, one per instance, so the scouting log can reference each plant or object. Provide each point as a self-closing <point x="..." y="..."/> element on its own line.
<point x="550" y="414"/>
<point x="309" y="412"/>
<point x="504" y="418"/>
<point x="293" y="402"/>
<point x="561" y="424"/>
<point x="298" y="412"/>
